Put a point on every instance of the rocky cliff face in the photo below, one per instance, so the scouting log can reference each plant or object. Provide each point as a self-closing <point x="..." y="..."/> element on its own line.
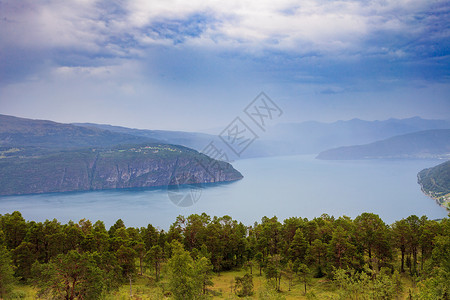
<point x="144" y="166"/>
<point x="146" y="172"/>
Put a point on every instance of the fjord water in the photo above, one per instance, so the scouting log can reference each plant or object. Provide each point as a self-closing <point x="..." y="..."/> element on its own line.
<point x="276" y="186"/>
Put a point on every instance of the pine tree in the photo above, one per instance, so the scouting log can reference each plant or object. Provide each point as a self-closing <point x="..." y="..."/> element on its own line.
<point x="181" y="273"/>
<point x="6" y="272"/>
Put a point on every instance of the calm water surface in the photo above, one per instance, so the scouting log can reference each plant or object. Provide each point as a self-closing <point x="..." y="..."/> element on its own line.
<point x="282" y="186"/>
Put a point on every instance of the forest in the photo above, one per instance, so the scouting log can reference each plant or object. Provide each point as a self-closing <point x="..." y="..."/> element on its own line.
<point x="204" y="257"/>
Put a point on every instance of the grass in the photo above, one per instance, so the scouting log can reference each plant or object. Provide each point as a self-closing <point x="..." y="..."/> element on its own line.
<point x="144" y="287"/>
<point x="23" y="292"/>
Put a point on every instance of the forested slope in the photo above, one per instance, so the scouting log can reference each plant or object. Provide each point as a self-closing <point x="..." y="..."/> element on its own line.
<point x="435" y="183"/>
<point x="326" y="257"/>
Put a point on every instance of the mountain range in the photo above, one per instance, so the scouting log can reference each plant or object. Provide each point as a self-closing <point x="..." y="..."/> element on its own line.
<point x="315" y="137"/>
<point x="53" y="136"/>
<point x="423" y="144"/>
<point x="293" y="138"/>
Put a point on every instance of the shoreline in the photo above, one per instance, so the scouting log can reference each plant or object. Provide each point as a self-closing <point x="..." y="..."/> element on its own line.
<point x="442" y="201"/>
<point x="434" y="183"/>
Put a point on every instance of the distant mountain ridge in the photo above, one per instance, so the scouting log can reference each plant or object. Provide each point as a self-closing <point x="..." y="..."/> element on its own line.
<point x="194" y="140"/>
<point x="422" y="144"/>
<point x="309" y="137"/>
<point x="51" y="135"/>
<point x="314" y="137"/>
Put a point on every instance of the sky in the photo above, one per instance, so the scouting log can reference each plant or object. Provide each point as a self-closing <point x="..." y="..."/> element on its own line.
<point x="195" y="65"/>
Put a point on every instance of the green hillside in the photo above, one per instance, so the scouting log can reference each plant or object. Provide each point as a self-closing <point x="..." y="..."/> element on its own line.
<point x="51" y="136"/>
<point x="435" y="182"/>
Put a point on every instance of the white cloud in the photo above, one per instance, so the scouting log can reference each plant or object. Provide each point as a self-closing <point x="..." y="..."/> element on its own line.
<point x="310" y="25"/>
<point x="51" y="24"/>
<point x="113" y="71"/>
<point x="282" y="25"/>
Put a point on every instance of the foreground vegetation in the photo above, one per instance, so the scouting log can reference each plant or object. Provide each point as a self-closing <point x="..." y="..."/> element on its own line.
<point x="201" y="257"/>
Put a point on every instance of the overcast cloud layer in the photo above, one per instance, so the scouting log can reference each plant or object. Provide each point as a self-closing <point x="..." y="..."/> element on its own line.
<point x="196" y="64"/>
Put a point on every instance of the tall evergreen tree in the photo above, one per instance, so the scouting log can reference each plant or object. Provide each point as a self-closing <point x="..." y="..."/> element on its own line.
<point x="154" y="258"/>
<point x="6" y="272"/>
<point x="180" y="273"/>
<point x="298" y="247"/>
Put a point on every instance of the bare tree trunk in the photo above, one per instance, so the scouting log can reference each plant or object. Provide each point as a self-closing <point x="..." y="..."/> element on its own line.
<point x="422" y="259"/>
<point x="403" y="261"/>
<point x="410" y="262"/>
<point x="131" y="293"/>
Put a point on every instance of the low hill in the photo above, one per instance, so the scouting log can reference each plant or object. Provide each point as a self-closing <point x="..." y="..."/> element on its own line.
<point x="423" y="144"/>
<point x="435" y="183"/>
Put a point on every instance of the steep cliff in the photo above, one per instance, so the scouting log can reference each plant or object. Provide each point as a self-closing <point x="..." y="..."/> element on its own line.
<point x="146" y="165"/>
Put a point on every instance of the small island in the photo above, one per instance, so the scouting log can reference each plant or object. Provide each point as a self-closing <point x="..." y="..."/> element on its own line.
<point x="435" y="183"/>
